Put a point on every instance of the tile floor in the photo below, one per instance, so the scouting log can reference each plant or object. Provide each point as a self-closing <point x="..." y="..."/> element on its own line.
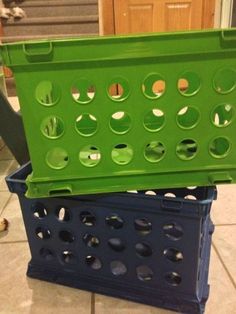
<point x="19" y="294"/>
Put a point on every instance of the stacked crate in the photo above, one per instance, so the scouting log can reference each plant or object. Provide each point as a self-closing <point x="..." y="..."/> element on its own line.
<point x="127" y="138"/>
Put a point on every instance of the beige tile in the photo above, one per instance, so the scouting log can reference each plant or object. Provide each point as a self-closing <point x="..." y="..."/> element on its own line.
<point x="4" y="197"/>
<point x="222" y="292"/>
<point x="4" y="166"/>
<point x="5" y="154"/>
<point x="12" y="167"/>
<point x="224" y="241"/>
<point x="16" y="229"/>
<point x="14" y="102"/>
<point x="107" y="305"/>
<point x="223" y="210"/>
<point x="22" y="295"/>
<point x="222" y="296"/>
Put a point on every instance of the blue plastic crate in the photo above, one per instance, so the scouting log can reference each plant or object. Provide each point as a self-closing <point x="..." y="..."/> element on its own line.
<point x="150" y="248"/>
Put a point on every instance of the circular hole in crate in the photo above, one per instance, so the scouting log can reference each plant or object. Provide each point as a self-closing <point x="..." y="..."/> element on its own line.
<point x="39" y="210"/>
<point x="118" y="90"/>
<point x="122" y="154"/>
<point x="187" y="149"/>
<point x="66" y="236"/>
<point x="143" y="249"/>
<point x="116" y="244"/>
<point x="114" y="221"/>
<point x="120" y="122"/>
<point x="154" y="86"/>
<point x="68" y="257"/>
<point x="86" y="124"/>
<point x="43" y="233"/>
<point x="190" y="197"/>
<point x="118" y="268"/>
<point x="57" y="158"/>
<point x="63" y="214"/>
<point x="169" y="195"/>
<point x="154" y="151"/>
<point x="173" y="255"/>
<point x="87" y="218"/>
<point x="90" y="240"/>
<point x="222" y="115"/>
<point x="224" y="81"/>
<point x="143" y="226"/>
<point x="173" y="231"/>
<point x="154" y="120"/>
<point x="90" y="156"/>
<point x="83" y="91"/>
<point x="144" y="273"/>
<point x="93" y="262"/>
<point x="189" y="84"/>
<point x="52" y="127"/>
<point x="150" y="193"/>
<point x="46" y="254"/>
<point x="188" y="117"/>
<point x="173" y="278"/>
<point x="219" y="147"/>
<point x="191" y="187"/>
<point x="47" y="93"/>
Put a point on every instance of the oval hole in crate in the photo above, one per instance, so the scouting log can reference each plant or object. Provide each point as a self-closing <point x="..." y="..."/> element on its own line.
<point x="83" y="91"/>
<point x="144" y="273"/>
<point x="87" y="218"/>
<point x="57" y="158"/>
<point x="120" y="122"/>
<point x="143" y="249"/>
<point x="150" y="193"/>
<point x="90" y="156"/>
<point x="118" y="89"/>
<point x="91" y="240"/>
<point x="52" y="127"/>
<point x="68" y="257"/>
<point x="118" y="268"/>
<point x="39" y="210"/>
<point x="122" y="154"/>
<point x="220" y="147"/>
<point x="170" y="195"/>
<point x="190" y="197"/>
<point x="47" y="93"/>
<point x="154" y="120"/>
<point x="116" y="244"/>
<point x="63" y="214"/>
<point x="223" y="115"/>
<point x="93" y="262"/>
<point x="174" y="255"/>
<point x="66" y="236"/>
<point x="154" y="151"/>
<point x="173" y="278"/>
<point x="189" y="84"/>
<point x="143" y="226"/>
<point x="187" y="149"/>
<point x="86" y="124"/>
<point x="188" y="117"/>
<point x="154" y="86"/>
<point x="173" y="231"/>
<point x="224" y="80"/>
<point x="114" y="221"/>
<point x="46" y="254"/>
<point x="43" y="233"/>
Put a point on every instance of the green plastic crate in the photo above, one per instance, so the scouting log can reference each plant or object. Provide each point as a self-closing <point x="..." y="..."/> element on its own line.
<point x="132" y="112"/>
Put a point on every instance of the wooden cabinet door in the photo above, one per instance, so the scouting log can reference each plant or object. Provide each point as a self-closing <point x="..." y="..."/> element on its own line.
<point x="141" y="16"/>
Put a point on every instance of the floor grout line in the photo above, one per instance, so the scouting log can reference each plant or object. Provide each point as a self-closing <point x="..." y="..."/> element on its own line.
<point x="13" y="242"/>
<point x="7" y="202"/>
<point x="224" y="225"/>
<point x="223" y="264"/>
<point x="93" y="303"/>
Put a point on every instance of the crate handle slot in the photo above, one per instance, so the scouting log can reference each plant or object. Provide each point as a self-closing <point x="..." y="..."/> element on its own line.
<point x="229" y="35"/>
<point x="38" y="52"/>
<point x="221" y="178"/>
<point x="60" y="191"/>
